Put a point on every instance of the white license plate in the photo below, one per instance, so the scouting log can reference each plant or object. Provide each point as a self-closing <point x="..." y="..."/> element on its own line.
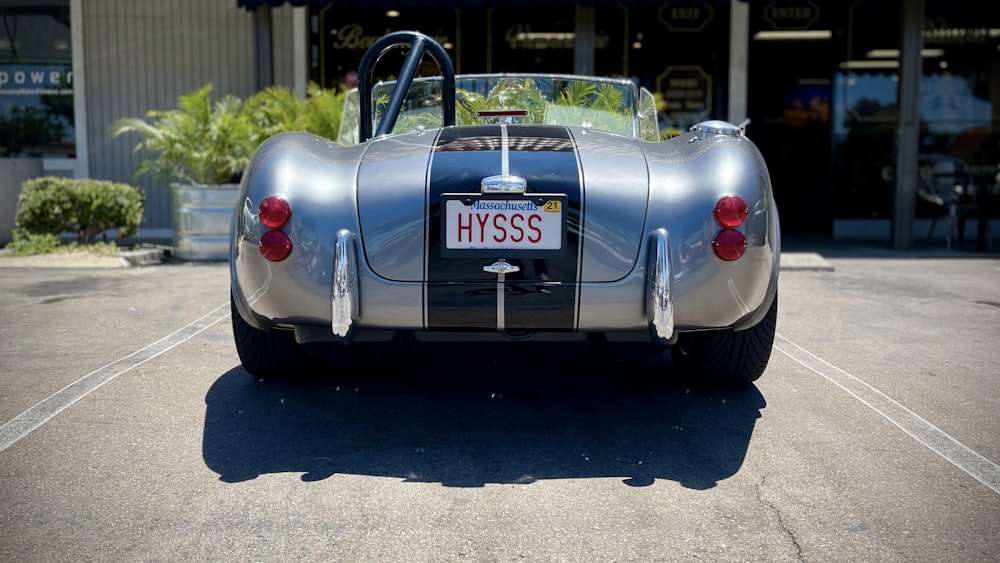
<point x="530" y="224"/>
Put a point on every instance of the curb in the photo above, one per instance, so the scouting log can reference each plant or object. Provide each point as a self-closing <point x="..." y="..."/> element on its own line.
<point x="123" y="259"/>
<point x="804" y="261"/>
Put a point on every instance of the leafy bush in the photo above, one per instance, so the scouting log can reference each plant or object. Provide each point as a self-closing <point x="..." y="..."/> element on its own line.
<point x="53" y="205"/>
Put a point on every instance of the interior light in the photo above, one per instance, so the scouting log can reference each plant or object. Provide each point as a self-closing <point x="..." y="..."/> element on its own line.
<point x="799" y="35"/>
<point x="883" y="54"/>
<point x="849" y="65"/>
<point x="392" y="14"/>
<point x="894" y="53"/>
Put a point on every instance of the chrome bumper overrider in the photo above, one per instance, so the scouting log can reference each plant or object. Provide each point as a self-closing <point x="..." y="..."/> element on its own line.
<point x="344" y="296"/>
<point x="660" y="295"/>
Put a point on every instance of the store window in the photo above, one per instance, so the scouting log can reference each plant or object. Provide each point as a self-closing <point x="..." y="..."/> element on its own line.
<point x="959" y="91"/>
<point x="541" y="40"/>
<point x="793" y="46"/>
<point x="865" y="110"/>
<point x="341" y="35"/>
<point x="959" y="100"/>
<point x="36" y="79"/>
<point x="678" y="50"/>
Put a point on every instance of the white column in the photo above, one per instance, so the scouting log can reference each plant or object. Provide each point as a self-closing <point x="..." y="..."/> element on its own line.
<point x="905" y="201"/>
<point x="583" y="42"/>
<point x="739" y="43"/>
<point x="82" y="166"/>
<point x="300" y="46"/>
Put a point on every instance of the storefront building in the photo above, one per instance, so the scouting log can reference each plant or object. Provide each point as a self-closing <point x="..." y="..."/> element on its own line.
<point x="824" y="83"/>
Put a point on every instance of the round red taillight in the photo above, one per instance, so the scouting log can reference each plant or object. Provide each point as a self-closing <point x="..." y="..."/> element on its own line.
<point x="729" y="244"/>
<point x="274" y="212"/>
<point x="275" y="246"/>
<point x="731" y="211"/>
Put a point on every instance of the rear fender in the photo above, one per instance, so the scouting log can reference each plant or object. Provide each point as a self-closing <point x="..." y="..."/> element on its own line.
<point x="688" y="175"/>
<point x="317" y="178"/>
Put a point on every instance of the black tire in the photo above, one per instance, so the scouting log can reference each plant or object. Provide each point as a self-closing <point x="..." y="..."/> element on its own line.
<point x="272" y="354"/>
<point x="726" y="357"/>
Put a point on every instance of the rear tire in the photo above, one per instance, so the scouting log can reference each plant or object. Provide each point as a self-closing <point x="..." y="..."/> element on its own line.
<point x="726" y="357"/>
<point x="272" y="354"/>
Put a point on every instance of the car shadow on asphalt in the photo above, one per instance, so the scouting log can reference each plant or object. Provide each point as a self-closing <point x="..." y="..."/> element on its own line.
<point x="468" y="424"/>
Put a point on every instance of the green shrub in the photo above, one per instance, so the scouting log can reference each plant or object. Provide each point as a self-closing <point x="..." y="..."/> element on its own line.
<point x="54" y="205"/>
<point x="27" y="243"/>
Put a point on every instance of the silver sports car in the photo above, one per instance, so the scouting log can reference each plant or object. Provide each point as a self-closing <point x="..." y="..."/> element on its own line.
<point x="525" y="211"/>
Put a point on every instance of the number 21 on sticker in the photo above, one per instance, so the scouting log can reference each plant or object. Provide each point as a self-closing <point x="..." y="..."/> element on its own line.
<point x="552" y="206"/>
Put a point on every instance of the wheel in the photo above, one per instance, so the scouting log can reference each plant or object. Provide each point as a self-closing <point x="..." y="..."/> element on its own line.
<point x="726" y="357"/>
<point x="271" y="354"/>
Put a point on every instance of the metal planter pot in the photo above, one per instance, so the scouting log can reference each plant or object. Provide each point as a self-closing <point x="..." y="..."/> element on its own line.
<point x="203" y="217"/>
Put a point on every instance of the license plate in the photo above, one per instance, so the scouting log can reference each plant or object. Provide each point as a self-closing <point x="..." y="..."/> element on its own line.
<point x="533" y="226"/>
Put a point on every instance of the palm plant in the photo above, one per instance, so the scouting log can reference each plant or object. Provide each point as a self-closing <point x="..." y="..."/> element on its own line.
<point x="506" y="94"/>
<point x="323" y="111"/>
<point x="199" y="142"/>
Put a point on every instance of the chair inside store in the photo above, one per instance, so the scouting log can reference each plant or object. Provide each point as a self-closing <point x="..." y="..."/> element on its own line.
<point x="947" y="185"/>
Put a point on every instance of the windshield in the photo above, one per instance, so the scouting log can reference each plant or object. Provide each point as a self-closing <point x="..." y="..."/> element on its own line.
<point x="596" y="103"/>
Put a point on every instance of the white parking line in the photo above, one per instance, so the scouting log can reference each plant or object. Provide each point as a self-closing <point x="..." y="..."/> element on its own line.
<point x="935" y="439"/>
<point x="24" y="423"/>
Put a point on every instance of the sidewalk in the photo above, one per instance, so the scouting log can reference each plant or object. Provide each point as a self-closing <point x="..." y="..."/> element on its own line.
<point x="147" y="256"/>
<point x="831" y="247"/>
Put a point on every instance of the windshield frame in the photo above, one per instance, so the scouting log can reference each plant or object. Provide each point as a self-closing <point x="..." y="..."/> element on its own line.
<point x="613" y="105"/>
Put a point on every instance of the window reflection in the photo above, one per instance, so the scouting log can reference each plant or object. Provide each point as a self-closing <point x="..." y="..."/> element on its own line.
<point x="36" y="82"/>
<point x="957" y="105"/>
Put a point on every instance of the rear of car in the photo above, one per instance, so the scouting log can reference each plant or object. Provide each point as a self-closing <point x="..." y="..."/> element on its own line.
<point x="547" y="213"/>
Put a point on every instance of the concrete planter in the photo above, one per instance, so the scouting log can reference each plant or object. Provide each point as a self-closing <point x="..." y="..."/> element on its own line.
<point x="203" y="217"/>
<point x="13" y="173"/>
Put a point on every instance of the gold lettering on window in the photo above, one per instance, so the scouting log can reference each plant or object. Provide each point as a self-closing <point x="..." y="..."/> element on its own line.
<point x="352" y="37"/>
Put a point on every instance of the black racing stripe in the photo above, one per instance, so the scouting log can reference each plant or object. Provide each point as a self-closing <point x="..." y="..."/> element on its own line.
<point x="460" y="295"/>
<point x="462" y="306"/>
<point x="462" y="157"/>
<point x="546" y="157"/>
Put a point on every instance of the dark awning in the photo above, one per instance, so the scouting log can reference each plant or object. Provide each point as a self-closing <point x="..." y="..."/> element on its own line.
<point x="253" y="4"/>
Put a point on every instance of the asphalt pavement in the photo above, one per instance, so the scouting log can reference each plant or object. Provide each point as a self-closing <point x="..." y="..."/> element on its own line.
<point x="130" y="432"/>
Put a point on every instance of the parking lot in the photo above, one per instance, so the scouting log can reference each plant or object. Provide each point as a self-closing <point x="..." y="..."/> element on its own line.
<point x="130" y="432"/>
